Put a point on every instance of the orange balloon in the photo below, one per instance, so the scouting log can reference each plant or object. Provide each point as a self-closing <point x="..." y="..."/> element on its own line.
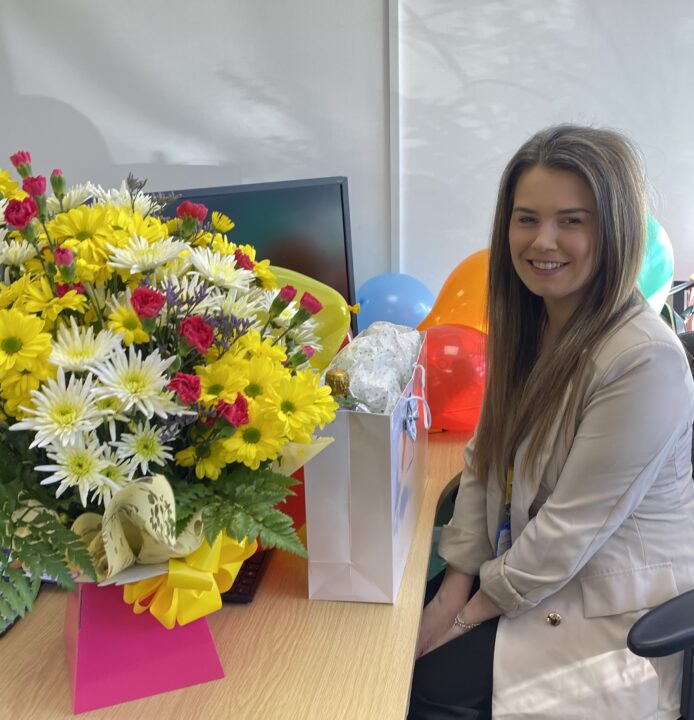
<point x="463" y="297"/>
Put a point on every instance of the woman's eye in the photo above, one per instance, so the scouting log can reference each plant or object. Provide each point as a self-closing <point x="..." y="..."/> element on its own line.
<point x="572" y="221"/>
<point x="526" y="219"/>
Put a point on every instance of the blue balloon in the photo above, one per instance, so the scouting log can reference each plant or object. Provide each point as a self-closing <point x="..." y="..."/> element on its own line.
<point x="394" y="297"/>
<point x="657" y="267"/>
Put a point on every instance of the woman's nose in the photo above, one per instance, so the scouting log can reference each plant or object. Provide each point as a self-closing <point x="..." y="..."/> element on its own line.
<point x="546" y="238"/>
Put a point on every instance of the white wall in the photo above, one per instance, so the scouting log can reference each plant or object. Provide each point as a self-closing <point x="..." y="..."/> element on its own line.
<point x="206" y="93"/>
<point x="225" y="92"/>
<point x="479" y="77"/>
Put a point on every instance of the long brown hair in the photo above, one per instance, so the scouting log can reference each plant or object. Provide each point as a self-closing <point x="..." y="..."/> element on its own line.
<point x="524" y="392"/>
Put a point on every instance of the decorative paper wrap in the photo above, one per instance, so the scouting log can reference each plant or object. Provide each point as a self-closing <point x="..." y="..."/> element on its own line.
<point x="363" y="495"/>
<point x="379" y="361"/>
<point x="138" y="526"/>
<point x="178" y="579"/>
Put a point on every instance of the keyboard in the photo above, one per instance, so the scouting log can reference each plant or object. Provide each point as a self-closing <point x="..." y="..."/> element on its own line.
<point x="248" y="579"/>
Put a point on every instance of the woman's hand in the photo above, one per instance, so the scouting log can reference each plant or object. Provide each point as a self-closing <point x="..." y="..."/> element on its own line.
<point x="438" y="615"/>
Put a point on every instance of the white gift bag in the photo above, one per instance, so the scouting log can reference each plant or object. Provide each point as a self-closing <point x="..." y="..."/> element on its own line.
<point x="363" y="495"/>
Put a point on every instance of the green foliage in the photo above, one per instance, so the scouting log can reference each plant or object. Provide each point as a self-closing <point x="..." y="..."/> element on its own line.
<point x="38" y="539"/>
<point x="243" y="503"/>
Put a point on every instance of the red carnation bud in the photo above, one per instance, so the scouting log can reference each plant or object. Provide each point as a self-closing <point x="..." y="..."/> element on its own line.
<point x="197" y="333"/>
<point x="79" y="288"/>
<point x="58" y="183"/>
<point x="186" y="386"/>
<point x="34" y="186"/>
<point x="146" y="302"/>
<point x="308" y="351"/>
<point x="63" y="257"/>
<point x="310" y="304"/>
<point x="287" y="294"/>
<point x="235" y="413"/>
<point x="195" y="210"/>
<point x="19" y="213"/>
<point x="242" y="260"/>
<point x="21" y="157"/>
<point x="61" y="289"/>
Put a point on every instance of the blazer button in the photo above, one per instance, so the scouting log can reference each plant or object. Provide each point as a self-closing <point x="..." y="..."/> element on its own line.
<point x="553" y="618"/>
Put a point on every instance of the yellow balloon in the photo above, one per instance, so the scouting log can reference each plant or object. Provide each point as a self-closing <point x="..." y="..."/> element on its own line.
<point x="332" y="322"/>
<point x="463" y="297"/>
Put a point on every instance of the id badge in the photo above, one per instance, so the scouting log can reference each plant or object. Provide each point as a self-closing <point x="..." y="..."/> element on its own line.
<point x="503" y="539"/>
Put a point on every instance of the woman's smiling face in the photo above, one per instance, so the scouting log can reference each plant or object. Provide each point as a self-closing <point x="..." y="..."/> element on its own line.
<point x="553" y="235"/>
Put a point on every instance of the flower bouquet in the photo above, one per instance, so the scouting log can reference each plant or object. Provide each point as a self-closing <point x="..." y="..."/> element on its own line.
<point x="156" y="393"/>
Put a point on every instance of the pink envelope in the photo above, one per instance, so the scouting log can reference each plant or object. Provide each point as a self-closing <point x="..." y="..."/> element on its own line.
<point x="114" y="655"/>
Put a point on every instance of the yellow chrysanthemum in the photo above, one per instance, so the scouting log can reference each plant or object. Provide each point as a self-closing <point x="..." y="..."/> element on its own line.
<point x="294" y="401"/>
<point x="262" y="373"/>
<point x="252" y="344"/>
<point x="87" y="232"/>
<point x="208" y="460"/>
<point x="38" y="298"/>
<point x="124" y="224"/>
<point x="16" y="386"/>
<point x="261" y="439"/>
<point x="125" y="321"/>
<point x="201" y="239"/>
<point x="222" y="380"/>
<point x="221" y="222"/>
<point x="10" y="293"/>
<point x="9" y="187"/>
<point x="23" y="343"/>
<point x="221" y="245"/>
<point x="323" y="405"/>
<point x="262" y="271"/>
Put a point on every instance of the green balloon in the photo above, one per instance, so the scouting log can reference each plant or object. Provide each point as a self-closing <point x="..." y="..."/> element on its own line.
<point x="658" y="265"/>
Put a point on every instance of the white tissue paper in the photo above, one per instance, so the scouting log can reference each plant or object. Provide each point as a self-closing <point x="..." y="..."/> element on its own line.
<point x="379" y="361"/>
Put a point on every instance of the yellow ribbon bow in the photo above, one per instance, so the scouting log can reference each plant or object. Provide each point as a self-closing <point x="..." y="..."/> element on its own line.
<point x="191" y="588"/>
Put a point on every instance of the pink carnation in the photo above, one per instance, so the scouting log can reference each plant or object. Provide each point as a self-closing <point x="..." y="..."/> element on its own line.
<point x="19" y="213"/>
<point x="310" y="303"/>
<point x="146" y="302"/>
<point x="194" y="210"/>
<point x="187" y="387"/>
<point x="197" y="333"/>
<point x="235" y="413"/>
<point x="34" y="186"/>
<point x="21" y="157"/>
<point x="287" y="293"/>
<point x="63" y="257"/>
<point x="242" y="260"/>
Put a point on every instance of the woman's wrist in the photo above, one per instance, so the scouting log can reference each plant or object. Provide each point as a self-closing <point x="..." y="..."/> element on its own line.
<point x="464" y="626"/>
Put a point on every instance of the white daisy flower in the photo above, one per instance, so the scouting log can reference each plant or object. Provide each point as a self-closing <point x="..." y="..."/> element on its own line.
<point x="143" y="446"/>
<point x="75" y="196"/>
<point x="140" y="256"/>
<point x="137" y="383"/>
<point x="144" y="204"/>
<point x="15" y="252"/>
<point x="3" y="205"/>
<point x="80" y="465"/>
<point x="111" y="407"/>
<point x="61" y="412"/>
<point x="119" y="471"/>
<point x="77" y="348"/>
<point x="245" y="306"/>
<point x="221" y="270"/>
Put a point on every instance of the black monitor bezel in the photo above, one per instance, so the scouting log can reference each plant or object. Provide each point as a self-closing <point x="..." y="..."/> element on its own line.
<point x="341" y="181"/>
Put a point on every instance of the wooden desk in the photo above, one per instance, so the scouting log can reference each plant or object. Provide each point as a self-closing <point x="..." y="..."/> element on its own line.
<point x="285" y="657"/>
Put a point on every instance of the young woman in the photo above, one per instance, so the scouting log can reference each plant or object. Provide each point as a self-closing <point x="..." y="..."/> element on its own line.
<point x="575" y="511"/>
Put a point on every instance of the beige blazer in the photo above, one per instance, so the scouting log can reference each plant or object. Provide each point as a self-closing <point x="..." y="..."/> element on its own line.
<point x="613" y="537"/>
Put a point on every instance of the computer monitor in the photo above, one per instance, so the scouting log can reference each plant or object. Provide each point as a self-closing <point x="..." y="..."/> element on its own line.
<point x="302" y="225"/>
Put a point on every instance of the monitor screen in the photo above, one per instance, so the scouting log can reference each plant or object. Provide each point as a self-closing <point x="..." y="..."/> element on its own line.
<point x="302" y="225"/>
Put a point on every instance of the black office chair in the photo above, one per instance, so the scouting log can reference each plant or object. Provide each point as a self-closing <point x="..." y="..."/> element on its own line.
<point x="669" y="628"/>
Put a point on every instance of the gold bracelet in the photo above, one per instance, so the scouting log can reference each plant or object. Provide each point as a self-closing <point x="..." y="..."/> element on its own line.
<point x="464" y="626"/>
